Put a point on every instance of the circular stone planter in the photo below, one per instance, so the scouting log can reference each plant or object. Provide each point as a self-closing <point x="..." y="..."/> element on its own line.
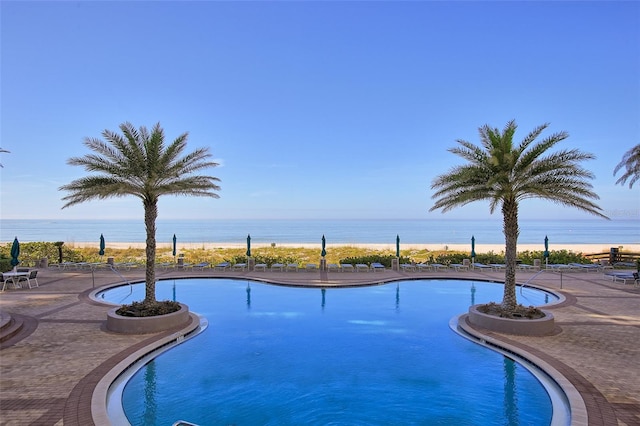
<point x="525" y="327"/>
<point x="145" y="325"/>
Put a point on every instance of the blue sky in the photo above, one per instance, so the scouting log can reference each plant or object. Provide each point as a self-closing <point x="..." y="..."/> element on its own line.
<point x="313" y="109"/>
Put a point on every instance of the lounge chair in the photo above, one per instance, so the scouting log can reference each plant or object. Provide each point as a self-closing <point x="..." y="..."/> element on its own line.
<point x="129" y="265"/>
<point x="586" y="267"/>
<point x="201" y="265"/>
<point x="623" y="276"/>
<point x="346" y="267"/>
<point x="277" y="267"/>
<point x="424" y="267"/>
<point x="65" y="265"/>
<point x="260" y="267"/>
<point x="633" y="277"/>
<point x="311" y="267"/>
<point x="377" y="266"/>
<point x="223" y="266"/>
<point x="165" y="265"/>
<point x="481" y="266"/>
<point x="407" y="267"/>
<point x="362" y="267"/>
<point x="292" y="267"/>
<point x="439" y="267"/>
<point x="525" y="267"/>
<point x="459" y="267"/>
<point x="558" y="267"/>
<point x="333" y="267"/>
<point x="239" y="267"/>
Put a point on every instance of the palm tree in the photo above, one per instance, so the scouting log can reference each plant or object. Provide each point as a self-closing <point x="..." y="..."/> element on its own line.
<point x="505" y="174"/>
<point x="138" y="163"/>
<point x="631" y="162"/>
<point x="3" y="150"/>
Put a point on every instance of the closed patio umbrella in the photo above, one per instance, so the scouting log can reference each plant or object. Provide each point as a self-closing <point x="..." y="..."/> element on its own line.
<point x="397" y="245"/>
<point x="102" y="245"/>
<point x="174" y="246"/>
<point x="473" y="247"/>
<point x="546" y="250"/>
<point x="15" y="252"/>
<point x="323" y="253"/>
<point x="248" y="245"/>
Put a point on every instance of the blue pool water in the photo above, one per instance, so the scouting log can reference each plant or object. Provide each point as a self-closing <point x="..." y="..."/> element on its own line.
<point x="379" y="355"/>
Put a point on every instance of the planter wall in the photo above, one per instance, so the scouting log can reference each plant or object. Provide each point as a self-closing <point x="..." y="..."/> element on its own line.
<point x="525" y="327"/>
<point x="146" y="325"/>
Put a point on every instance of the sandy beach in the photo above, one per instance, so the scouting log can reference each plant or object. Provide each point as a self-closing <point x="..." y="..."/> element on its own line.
<point x="480" y="248"/>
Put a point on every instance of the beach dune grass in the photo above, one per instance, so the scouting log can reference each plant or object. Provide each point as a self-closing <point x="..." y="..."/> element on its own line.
<point x="32" y="252"/>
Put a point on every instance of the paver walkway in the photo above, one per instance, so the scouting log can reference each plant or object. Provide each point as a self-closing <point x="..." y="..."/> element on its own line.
<point x="49" y="370"/>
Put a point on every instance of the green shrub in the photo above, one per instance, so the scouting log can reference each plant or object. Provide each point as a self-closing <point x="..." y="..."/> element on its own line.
<point x="373" y="258"/>
<point x="32" y="252"/>
<point x="555" y="256"/>
<point x="5" y="265"/>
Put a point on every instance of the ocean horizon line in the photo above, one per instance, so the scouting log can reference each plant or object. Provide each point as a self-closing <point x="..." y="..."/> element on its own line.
<point x="423" y="231"/>
<point x="317" y="219"/>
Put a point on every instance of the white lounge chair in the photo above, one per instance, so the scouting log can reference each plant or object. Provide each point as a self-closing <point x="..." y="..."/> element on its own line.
<point x="333" y="267"/>
<point x="482" y="266"/>
<point x="260" y="267"/>
<point x="346" y="267"/>
<point x="129" y="265"/>
<point x="239" y="267"/>
<point x="292" y="267"/>
<point x="222" y="266"/>
<point x="165" y="265"/>
<point x="201" y="265"/>
<point x="459" y="267"/>
<point x="558" y="267"/>
<point x="311" y="267"/>
<point x="622" y="276"/>
<point x="424" y="267"/>
<point x="377" y="267"/>
<point x="586" y="267"/>
<point x="439" y="267"/>
<point x="408" y="267"/>
<point x="277" y="267"/>
<point x="362" y="267"/>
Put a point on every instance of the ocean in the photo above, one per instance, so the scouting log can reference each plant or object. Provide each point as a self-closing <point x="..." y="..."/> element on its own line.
<point x="596" y="231"/>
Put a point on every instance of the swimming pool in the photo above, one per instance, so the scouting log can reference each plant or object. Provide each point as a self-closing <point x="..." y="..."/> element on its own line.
<point x="372" y="355"/>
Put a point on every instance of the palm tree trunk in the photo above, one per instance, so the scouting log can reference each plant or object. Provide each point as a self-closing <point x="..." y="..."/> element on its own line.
<point x="511" y="232"/>
<point x="150" y="216"/>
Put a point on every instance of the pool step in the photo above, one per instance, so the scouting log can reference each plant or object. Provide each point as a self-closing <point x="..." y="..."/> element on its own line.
<point x="9" y="327"/>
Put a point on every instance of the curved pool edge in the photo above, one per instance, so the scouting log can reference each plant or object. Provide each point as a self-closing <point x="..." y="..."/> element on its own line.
<point x="102" y="405"/>
<point x="575" y="413"/>
<point x="103" y="410"/>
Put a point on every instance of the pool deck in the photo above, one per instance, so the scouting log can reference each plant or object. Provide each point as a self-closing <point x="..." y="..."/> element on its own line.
<point x="54" y="348"/>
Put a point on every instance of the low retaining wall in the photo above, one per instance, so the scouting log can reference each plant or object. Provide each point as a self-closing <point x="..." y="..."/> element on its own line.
<point x="146" y="325"/>
<point x="524" y="327"/>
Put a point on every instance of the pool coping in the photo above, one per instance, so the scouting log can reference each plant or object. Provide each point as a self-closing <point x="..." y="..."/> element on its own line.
<point x="576" y="405"/>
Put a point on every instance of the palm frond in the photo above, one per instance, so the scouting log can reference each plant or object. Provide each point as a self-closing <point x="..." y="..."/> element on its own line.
<point x="631" y="163"/>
